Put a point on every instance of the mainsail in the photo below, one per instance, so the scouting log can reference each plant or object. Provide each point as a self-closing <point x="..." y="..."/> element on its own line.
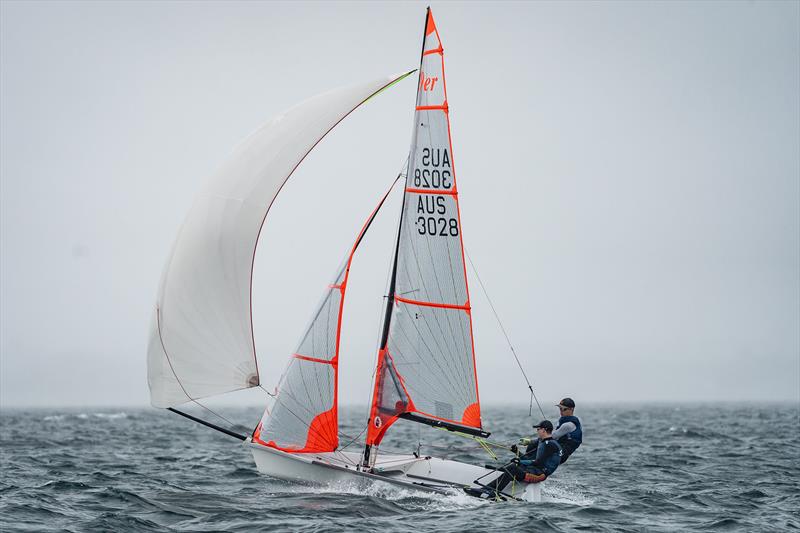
<point x="201" y="337"/>
<point x="304" y="417"/>
<point x="426" y="363"/>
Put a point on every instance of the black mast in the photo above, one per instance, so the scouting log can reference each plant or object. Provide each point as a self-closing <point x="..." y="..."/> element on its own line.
<point x="390" y="299"/>
<point x="387" y="317"/>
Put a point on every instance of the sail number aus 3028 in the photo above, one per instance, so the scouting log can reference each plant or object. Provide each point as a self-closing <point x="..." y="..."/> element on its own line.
<point x="432" y="209"/>
<point x="432" y="217"/>
<point x="436" y="170"/>
<point x="432" y="179"/>
<point x="438" y="226"/>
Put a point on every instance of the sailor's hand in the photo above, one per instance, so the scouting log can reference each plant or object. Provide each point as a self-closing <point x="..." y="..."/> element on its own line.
<point x="515" y="461"/>
<point x="514" y="448"/>
<point x="524" y="441"/>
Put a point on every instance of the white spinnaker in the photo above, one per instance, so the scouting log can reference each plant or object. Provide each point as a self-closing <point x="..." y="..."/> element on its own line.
<point x="201" y="337"/>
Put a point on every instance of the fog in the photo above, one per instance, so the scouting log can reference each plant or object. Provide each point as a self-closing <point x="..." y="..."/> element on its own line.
<point x="629" y="178"/>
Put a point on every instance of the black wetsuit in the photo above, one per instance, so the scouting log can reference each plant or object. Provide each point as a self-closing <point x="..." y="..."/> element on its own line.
<point x="539" y="461"/>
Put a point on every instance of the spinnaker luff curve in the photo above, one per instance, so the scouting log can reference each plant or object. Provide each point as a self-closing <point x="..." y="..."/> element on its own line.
<point x="201" y="335"/>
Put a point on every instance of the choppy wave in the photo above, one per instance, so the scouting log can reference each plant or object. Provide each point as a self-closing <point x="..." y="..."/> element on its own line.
<point x="648" y="468"/>
<point x="110" y="416"/>
<point x="85" y="416"/>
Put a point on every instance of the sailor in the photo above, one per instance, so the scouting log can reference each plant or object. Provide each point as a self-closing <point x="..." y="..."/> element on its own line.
<point x="568" y="432"/>
<point x="532" y="467"/>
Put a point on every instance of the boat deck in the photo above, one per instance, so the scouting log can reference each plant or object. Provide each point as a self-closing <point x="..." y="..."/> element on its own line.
<point x="425" y="473"/>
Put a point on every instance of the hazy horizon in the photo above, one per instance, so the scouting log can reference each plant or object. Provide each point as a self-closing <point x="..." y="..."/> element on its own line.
<point x="516" y="406"/>
<point x="629" y="179"/>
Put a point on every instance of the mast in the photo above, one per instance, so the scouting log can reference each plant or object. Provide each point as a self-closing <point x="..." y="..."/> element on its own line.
<point x="392" y="284"/>
<point x="387" y="316"/>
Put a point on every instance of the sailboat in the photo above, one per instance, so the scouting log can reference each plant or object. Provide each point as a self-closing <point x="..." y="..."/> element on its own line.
<point x="202" y="342"/>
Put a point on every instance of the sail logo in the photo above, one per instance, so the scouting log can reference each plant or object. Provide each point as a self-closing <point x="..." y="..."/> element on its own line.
<point x="426" y="83"/>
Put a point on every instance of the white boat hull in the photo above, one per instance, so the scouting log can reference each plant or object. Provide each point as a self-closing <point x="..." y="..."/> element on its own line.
<point x="426" y="474"/>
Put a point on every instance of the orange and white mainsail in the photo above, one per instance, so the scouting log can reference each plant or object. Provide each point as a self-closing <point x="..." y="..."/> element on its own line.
<point x="304" y="417"/>
<point x="426" y="361"/>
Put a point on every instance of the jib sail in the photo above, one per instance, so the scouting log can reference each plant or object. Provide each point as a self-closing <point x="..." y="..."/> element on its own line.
<point x="426" y="362"/>
<point x="304" y="417"/>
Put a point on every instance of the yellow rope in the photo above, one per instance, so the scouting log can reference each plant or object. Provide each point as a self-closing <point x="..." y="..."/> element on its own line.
<point x="485" y="444"/>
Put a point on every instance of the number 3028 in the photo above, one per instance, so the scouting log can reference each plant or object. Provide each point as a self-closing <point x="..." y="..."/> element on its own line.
<point x="444" y="227"/>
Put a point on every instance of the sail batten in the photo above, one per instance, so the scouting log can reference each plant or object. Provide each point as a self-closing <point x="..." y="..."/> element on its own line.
<point x="426" y="362"/>
<point x="201" y="335"/>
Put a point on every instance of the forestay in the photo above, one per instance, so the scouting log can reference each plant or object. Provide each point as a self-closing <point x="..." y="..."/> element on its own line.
<point x="426" y="364"/>
<point x="304" y="417"/>
<point x="201" y="339"/>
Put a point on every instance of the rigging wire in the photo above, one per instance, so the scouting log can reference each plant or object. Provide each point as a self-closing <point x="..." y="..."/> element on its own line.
<point x="352" y="440"/>
<point x="511" y="346"/>
<point x="233" y="424"/>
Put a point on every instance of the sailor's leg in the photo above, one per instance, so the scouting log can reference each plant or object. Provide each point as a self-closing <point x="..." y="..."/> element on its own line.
<point x="511" y="472"/>
<point x="500" y="482"/>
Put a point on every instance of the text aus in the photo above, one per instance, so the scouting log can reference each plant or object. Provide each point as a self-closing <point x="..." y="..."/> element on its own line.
<point x="431" y="209"/>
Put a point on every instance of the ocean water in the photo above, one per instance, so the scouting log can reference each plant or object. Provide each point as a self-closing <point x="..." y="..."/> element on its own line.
<point x="641" y="468"/>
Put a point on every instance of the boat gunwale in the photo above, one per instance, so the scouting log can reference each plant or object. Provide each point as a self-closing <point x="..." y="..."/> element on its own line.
<point x="318" y="461"/>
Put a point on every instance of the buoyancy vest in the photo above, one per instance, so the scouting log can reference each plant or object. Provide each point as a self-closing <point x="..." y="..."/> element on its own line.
<point x="572" y="440"/>
<point x="554" y="460"/>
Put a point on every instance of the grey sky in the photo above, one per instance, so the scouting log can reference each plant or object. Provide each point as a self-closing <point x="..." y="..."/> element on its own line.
<point x="629" y="176"/>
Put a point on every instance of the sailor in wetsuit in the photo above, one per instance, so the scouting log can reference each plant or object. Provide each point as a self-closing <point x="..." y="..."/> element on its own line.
<point x="534" y="466"/>
<point x="568" y="432"/>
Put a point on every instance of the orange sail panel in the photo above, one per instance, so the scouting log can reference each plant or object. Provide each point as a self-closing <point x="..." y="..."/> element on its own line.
<point x="426" y="362"/>
<point x="304" y="418"/>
